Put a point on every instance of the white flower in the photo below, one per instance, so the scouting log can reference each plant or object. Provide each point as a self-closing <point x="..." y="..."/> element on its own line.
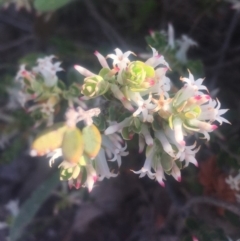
<point x="212" y="112"/>
<point x="113" y="147"/>
<point x="234" y="182"/>
<point x="156" y="59"/>
<point x="48" y="70"/>
<point x="118" y="126"/>
<point x="189" y="155"/>
<point x="102" y="168"/>
<point x="195" y="83"/>
<point x="74" y="116"/>
<point x="120" y="59"/>
<point x="144" y="106"/>
<point x="184" y="44"/>
<point x="149" y="164"/>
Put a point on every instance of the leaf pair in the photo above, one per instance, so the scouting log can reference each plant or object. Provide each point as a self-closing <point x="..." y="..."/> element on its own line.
<point x="74" y="142"/>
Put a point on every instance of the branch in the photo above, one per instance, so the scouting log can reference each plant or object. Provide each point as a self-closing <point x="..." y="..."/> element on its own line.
<point x="107" y="29"/>
<point x="211" y="201"/>
<point x="16" y="43"/>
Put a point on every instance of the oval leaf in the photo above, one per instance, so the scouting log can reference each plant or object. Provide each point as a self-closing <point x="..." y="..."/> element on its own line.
<point x="49" y="139"/>
<point x="72" y="145"/>
<point x="92" y="140"/>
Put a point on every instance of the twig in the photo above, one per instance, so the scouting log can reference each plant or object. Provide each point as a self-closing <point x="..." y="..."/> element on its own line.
<point x="107" y="29"/>
<point x="211" y="201"/>
<point x="230" y="153"/>
<point x="15" y="23"/>
<point x="226" y="45"/>
<point x="16" y="43"/>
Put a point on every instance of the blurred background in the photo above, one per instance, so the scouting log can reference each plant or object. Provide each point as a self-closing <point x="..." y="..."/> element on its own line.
<point x="35" y="206"/>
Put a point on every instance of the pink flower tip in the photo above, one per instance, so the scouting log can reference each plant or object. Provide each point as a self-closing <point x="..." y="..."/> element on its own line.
<point x="214" y="127"/>
<point x="208" y="97"/>
<point x="96" y="52"/>
<point x="95" y="178"/>
<point x="162" y="183"/>
<point x="78" y="185"/>
<point x="151" y="32"/>
<point x="194" y="238"/>
<point x="198" y="97"/>
<point x="116" y="68"/>
<point x="182" y="143"/>
<point x="158" y="56"/>
<point x="196" y="164"/>
<point x="76" y="66"/>
<point x="179" y="179"/>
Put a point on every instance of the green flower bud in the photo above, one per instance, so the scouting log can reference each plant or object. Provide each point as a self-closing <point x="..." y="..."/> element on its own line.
<point x="94" y="86"/>
<point x="138" y="76"/>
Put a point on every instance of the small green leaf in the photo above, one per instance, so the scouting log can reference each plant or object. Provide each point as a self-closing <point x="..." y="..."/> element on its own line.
<point x="136" y="127"/>
<point x="126" y="134"/>
<point x="49" y="5"/>
<point x="166" y="162"/>
<point x="32" y="205"/>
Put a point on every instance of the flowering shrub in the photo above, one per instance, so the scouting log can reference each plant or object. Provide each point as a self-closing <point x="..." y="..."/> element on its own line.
<point x="161" y="118"/>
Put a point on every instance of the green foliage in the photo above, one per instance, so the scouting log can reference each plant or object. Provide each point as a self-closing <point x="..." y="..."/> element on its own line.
<point x="49" y="5"/>
<point x="32" y="205"/>
<point x="204" y="232"/>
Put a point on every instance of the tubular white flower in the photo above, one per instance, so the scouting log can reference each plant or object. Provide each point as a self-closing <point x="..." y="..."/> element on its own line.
<point x="141" y="143"/>
<point x="146" y="169"/>
<point x="102" y="166"/>
<point x="160" y="175"/>
<point x="184" y="44"/>
<point x="176" y="173"/>
<point x="146" y="134"/>
<point x="178" y="132"/>
<point x="165" y="143"/>
<point x="117" y="127"/>
<point x="102" y="60"/>
<point x="83" y="71"/>
<point x="156" y="59"/>
<point x="91" y="177"/>
<point x="119" y="95"/>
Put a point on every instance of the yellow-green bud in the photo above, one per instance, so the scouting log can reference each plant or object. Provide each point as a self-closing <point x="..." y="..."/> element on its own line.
<point x="138" y="76"/>
<point x="94" y="86"/>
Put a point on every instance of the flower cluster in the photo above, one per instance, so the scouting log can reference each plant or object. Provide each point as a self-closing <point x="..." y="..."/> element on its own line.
<point x="40" y="91"/>
<point x="162" y="123"/>
<point x="161" y="118"/>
